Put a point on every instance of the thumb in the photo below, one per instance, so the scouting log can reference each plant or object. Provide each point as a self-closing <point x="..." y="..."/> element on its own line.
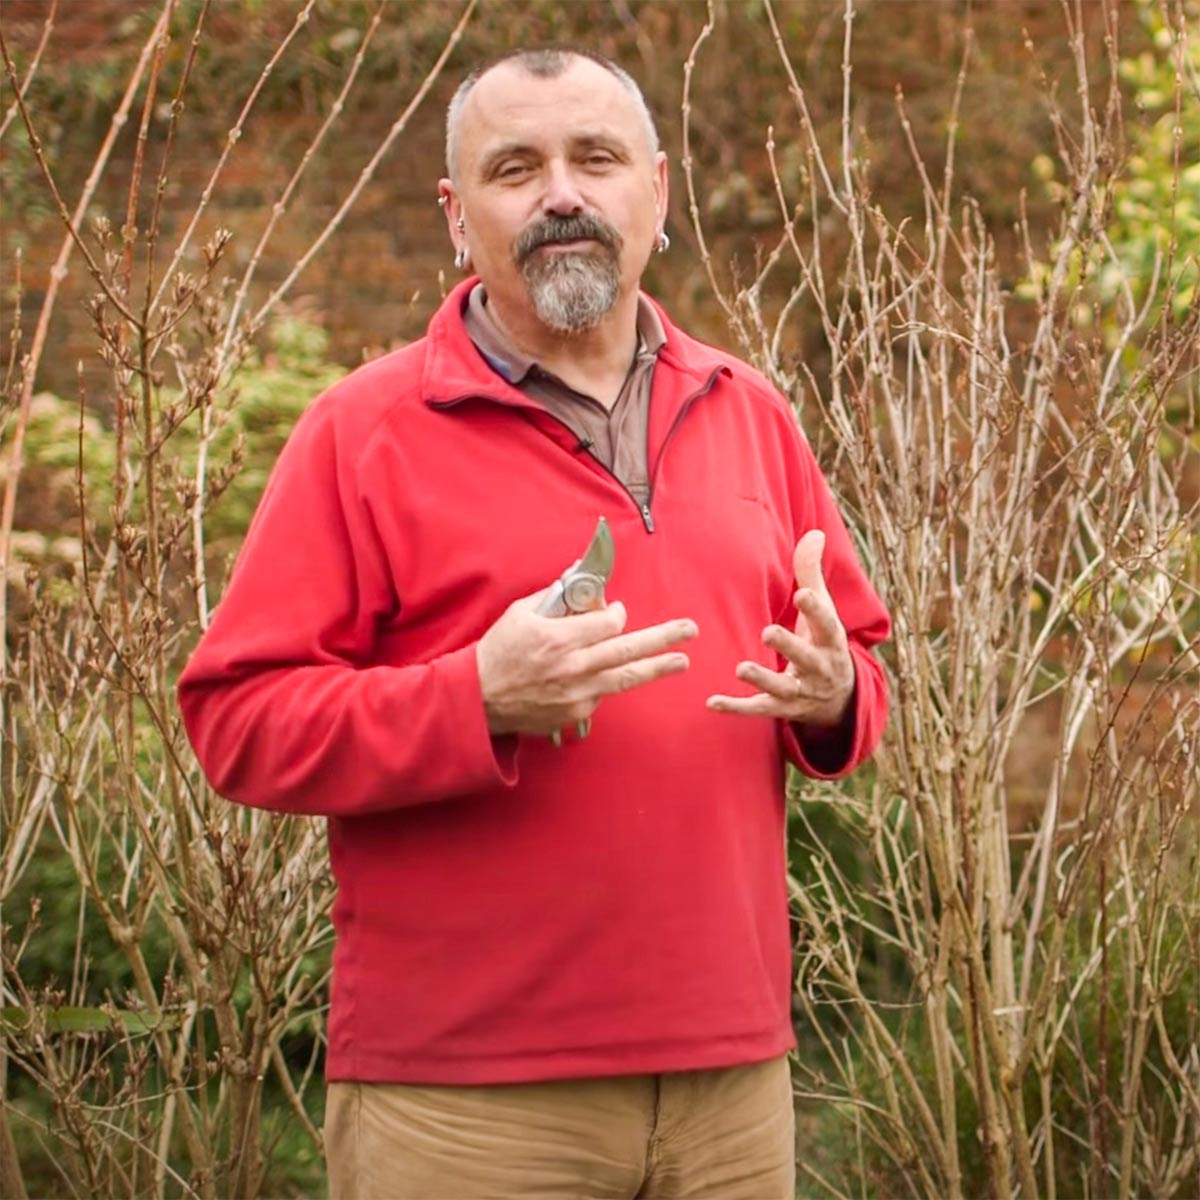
<point x="534" y="599"/>
<point x="537" y="602"/>
<point x="806" y="562"/>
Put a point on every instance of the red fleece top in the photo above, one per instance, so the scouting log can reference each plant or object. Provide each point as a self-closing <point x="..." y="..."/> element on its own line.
<point x="506" y="910"/>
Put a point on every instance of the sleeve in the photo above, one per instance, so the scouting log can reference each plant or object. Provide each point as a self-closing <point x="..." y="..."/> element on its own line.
<point x="280" y="699"/>
<point x="865" y="619"/>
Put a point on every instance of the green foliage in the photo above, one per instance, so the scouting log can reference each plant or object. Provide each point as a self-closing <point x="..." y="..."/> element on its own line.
<point x="48" y="903"/>
<point x="1152" y="220"/>
<point x="1156" y="206"/>
<point x="254" y="418"/>
<point x="272" y="390"/>
<point x="21" y="194"/>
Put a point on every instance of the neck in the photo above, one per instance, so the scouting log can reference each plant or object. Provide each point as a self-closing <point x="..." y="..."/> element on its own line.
<point x="594" y="362"/>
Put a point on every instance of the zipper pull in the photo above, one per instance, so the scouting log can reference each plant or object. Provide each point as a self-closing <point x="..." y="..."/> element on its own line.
<point x="647" y="519"/>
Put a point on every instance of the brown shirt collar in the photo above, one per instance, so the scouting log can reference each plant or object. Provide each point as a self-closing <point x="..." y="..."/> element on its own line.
<point x="506" y="360"/>
<point x="616" y="436"/>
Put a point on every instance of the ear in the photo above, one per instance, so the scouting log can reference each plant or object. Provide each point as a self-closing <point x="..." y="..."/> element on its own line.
<point x="662" y="187"/>
<point x="451" y="204"/>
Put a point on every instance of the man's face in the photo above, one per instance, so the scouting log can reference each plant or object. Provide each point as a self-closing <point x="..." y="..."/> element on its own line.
<point x="560" y="194"/>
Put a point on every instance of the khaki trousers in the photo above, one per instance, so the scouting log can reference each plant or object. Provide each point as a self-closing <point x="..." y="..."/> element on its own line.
<point x="727" y="1134"/>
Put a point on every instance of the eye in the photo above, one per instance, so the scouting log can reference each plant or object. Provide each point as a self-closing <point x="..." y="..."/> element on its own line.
<point x="511" y="170"/>
<point x="599" y="158"/>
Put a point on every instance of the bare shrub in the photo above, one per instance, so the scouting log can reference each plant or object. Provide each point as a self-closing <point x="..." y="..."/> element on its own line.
<point x="211" y="922"/>
<point x="997" y="977"/>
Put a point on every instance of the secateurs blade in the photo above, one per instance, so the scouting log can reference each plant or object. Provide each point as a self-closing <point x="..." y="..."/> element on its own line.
<point x="580" y="589"/>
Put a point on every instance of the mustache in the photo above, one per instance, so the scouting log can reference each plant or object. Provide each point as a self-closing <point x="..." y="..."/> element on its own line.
<point x="565" y="229"/>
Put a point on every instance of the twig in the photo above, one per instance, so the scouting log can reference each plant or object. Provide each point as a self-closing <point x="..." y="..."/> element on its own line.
<point x="231" y="139"/>
<point x="57" y="273"/>
<point x="368" y="171"/>
<point x="47" y="29"/>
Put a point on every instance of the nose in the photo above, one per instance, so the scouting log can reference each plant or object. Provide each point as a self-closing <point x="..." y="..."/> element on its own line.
<point x="562" y="197"/>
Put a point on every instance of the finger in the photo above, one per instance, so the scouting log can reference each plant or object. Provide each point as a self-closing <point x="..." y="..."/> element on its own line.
<point x="638" y="674"/>
<point x="806" y="561"/>
<point x="534" y="599"/>
<point x="760" y="705"/>
<point x="800" y="649"/>
<point x="641" y="643"/>
<point x="585" y="629"/>
<point x="820" y="614"/>
<point x="780" y="684"/>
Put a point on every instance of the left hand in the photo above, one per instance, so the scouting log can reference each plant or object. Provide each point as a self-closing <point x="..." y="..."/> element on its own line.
<point x="817" y="684"/>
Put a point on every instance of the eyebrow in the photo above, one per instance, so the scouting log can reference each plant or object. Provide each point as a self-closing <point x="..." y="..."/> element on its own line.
<point x="494" y="158"/>
<point x="585" y="138"/>
<point x="610" y="141"/>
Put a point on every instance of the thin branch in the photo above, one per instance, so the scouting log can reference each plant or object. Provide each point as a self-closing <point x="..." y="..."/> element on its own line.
<point x="47" y="29"/>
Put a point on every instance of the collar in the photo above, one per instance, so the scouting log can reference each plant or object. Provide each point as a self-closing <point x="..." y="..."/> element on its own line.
<point x="455" y="369"/>
<point x="506" y="359"/>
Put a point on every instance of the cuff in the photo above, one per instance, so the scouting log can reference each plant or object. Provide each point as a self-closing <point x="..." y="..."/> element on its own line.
<point x="827" y="753"/>
<point x="490" y="759"/>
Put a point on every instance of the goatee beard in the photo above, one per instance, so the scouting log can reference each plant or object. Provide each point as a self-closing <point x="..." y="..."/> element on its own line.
<point x="574" y="292"/>
<point x="571" y="292"/>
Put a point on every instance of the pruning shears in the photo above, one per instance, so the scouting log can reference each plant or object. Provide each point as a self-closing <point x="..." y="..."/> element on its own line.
<point x="580" y="589"/>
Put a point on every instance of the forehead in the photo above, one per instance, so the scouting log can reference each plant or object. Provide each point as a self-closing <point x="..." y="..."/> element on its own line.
<point x="510" y="105"/>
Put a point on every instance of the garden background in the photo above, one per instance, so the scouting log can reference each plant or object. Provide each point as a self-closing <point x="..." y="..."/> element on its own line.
<point x="961" y="238"/>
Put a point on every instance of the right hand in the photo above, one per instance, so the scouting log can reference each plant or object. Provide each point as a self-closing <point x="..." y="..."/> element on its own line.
<point x="542" y="674"/>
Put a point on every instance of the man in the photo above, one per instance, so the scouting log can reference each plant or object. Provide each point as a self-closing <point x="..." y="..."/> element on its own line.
<point x="562" y="964"/>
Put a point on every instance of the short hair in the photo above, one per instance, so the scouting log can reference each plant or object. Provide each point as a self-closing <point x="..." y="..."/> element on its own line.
<point x="543" y="62"/>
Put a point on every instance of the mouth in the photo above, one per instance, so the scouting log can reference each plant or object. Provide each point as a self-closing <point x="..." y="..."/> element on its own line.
<point x="568" y="246"/>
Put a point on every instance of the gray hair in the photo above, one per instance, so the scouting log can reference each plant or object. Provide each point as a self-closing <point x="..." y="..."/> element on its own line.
<point x="544" y="62"/>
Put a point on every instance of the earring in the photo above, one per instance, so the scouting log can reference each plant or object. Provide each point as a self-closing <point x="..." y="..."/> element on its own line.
<point x="664" y="243"/>
<point x="462" y="258"/>
<point x="441" y="202"/>
<point x="460" y="225"/>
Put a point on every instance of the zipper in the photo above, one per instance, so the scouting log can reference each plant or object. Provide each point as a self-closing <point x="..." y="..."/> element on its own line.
<point x="643" y="509"/>
<point x="709" y="384"/>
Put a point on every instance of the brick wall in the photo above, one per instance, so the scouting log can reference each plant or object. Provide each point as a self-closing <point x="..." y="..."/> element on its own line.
<point x="376" y="282"/>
